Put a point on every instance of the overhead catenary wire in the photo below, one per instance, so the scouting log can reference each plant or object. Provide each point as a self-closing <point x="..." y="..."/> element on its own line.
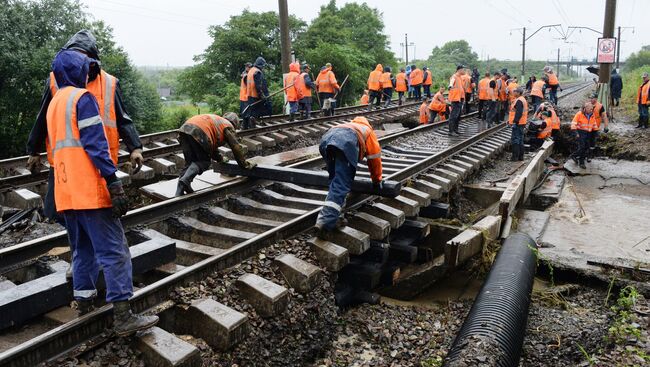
<point x="153" y="17"/>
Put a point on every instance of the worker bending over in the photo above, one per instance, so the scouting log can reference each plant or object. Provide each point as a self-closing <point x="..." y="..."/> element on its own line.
<point x="600" y="116"/>
<point x="89" y="194"/>
<point x="200" y="138"/>
<point x="364" y="98"/>
<point x="582" y="123"/>
<point x="438" y="106"/>
<point x="517" y="118"/>
<point x="424" y="112"/>
<point x="538" y="131"/>
<point x="342" y="147"/>
<point x="546" y="111"/>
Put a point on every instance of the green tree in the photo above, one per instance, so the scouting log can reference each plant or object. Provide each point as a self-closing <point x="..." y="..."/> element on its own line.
<point x="638" y="59"/>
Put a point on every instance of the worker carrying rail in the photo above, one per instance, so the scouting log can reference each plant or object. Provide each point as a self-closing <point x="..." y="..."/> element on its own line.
<point x="200" y="138"/>
<point x="89" y="194"/>
<point x="342" y="147"/>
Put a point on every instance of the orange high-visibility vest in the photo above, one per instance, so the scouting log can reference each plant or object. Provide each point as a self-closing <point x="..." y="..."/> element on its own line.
<point x="457" y="92"/>
<point x="243" y="92"/>
<point x="524" y="115"/>
<point x="326" y="81"/>
<point x="427" y="80"/>
<point x="385" y="81"/>
<point x="251" y="89"/>
<point x="301" y="86"/>
<point x="597" y="117"/>
<point x="79" y="184"/>
<point x="368" y="145"/>
<point x="416" y="77"/>
<point x="374" y="80"/>
<point x="424" y="113"/>
<point x="552" y="79"/>
<point x="103" y="88"/>
<point x="511" y="87"/>
<point x="207" y="130"/>
<point x="467" y="83"/>
<point x="292" y="91"/>
<point x="537" y="89"/>
<point x="438" y="103"/>
<point x="364" y="100"/>
<point x="483" y="86"/>
<point x="547" y="130"/>
<point x="581" y="122"/>
<point x="502" y="91"/>
<point x="401" y="85"/>
<point x="642" y="93"/>
<point x="554" y="120"/>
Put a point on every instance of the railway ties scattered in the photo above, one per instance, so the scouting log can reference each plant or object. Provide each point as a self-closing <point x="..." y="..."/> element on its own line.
<point x="178" y="247"/>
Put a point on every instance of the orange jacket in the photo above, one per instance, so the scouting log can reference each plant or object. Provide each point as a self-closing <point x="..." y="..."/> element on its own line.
<point x="368" y="145"/>
<point x="538" y="89"/>
<point x="416" y="77"/>
<point x="207" y="130"/>
<point x="456" y="91"/>
<point x="364" y="100"/>
<point x="552" y="78"/>
<point x="103" y="88"/>
<point x="427" y="79"/>
<point x="401" y="84"/>
<point x="79" y="185"/>
<point x="326" y="81"/>
<point x="581" y="122"/>
<point x="509" y="88"/>
<point x="503" y="96"/>
<point x="386" y="80"/>
<point x="251" y="90"/>
<point x="301" y="87"/>
<point x="374" y="79"/>
<point x="597" y="117"/>
<point x="243" y="92"/>
<point x="524" y="115"/>
<point x="642" y="93"/>
<point x="293" y="95"/>
<point x="547" y="130"/>
<point x="554" y="120"/>
<point x="467" y="83"/>
<point x="424" y="113"/>
<point x="483" y="86"/>
<point x="438" y="103"/>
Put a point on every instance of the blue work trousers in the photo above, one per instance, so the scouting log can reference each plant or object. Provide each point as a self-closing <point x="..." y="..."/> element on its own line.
<point x="583" y="145"/>
<point x="553" y="94"/>
<point x="341" y="176"/>
<point x="643" y="112"/>
<point x="517" y="135"/>
<point x="293" y="107"/>
<point x="97" y="241"/>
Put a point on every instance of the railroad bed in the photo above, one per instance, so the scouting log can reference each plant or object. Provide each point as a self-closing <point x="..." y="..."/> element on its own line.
<point x="21" y="189"/>
<point x="186" y="239"/>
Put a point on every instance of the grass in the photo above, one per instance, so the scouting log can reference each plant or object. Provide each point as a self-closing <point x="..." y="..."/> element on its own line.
<point x="631" y="82"/>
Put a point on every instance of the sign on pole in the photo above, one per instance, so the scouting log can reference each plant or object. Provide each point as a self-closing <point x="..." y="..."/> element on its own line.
<point x="606" y="50"/>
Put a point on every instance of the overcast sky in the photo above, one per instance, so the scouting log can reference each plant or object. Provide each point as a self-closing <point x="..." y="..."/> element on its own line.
<point x="171" y="32"/>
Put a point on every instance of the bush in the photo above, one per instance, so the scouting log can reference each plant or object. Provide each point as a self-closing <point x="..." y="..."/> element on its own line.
<point x="632" y="80"/>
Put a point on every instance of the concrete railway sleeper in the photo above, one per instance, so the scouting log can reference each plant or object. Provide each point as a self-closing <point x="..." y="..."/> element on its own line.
<point x="185" y="239"/>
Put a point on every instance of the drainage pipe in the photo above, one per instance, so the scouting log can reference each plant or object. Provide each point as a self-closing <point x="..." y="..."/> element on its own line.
<point x="495" y="327"/>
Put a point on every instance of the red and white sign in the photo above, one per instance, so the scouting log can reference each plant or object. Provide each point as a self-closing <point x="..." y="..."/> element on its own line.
<point x="606" y="50"/>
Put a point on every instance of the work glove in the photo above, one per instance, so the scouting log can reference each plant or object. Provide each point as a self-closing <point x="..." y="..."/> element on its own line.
<point x="606" y="130"/>
<point x="250" y="165"/>
<point x="33" y="163"/>
<point x="136" y="160"/>
<point x="378" y="185"/>
<point x="118" y="199"/>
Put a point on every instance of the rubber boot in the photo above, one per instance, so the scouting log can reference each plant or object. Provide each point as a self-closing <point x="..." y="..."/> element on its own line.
<point x="252" y="123"/>
<point x="185" y="182"/>
<point x="126" y="323"/>
<point x="515" y="152"/>
<point x="292" y="117"/>
<point x="85" y="306"/>
<point x="521" y="152"/>
<point x="640" y="124"/>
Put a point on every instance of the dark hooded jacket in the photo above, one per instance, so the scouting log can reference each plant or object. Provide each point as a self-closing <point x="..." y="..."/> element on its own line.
<point x="83" y="41"/>
<point x="260" y="80"/>
<point x="70" y="69"/>
<point x="616" y="83"/>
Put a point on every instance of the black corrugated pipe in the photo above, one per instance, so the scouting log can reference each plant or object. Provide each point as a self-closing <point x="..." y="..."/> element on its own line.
<point x="494" y="330"/>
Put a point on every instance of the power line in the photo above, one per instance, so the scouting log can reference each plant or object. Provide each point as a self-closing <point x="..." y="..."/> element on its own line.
<point x="152" y="17"/>
<point x="504" y="13"/>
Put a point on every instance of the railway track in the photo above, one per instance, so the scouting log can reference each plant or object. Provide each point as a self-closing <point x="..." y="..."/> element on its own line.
<point x="19" y="188"/>
<point x="186" y="239"/>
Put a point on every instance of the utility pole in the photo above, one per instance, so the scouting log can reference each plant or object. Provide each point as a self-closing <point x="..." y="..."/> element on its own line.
<point x="558" y="63"/>
<point x="608" y="32"/>
<point x="523" y="54"/>
<point x="285" y="41"/>
<point x="619" y="43"/>
<point x="406" y="45"/>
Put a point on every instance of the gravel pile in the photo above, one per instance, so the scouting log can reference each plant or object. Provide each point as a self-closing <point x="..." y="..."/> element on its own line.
<point x="117" y="352"/>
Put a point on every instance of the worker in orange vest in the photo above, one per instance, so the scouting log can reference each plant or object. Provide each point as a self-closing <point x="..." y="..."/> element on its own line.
<point x="537" y="92"/>
<point x="387" y="83"/>
<point x="417" y="77"/>
<point x="427" y="81"/>
<point x="582" y="123"/>
<point x="600" y="117"/>
<point x="483" y="86"/>
<point x="401" y="85"/>
<point x="343" y="147"/>
<point x="517" y="118"/>
<point x="511" y="84"/>
<point x="292" y="91"/>
<point x="364" y="98"/>
<point x="374" y="86"/>
<point x="327" y="87"/>
<point x="257" y="90"/>
<point x="547" y="112"/>
<point x="305" y="86"/>
<point x="200" y="138"/>
<point x="539" y="131"/>
<point x="424" y="111"/>
<point x="643" y="101"/>
<point x="553" y="83"/>
<point x="89" y="195"/>
<point x="243" y="92"/>
<point x="457" y="98"/>
<point x="503" y="96"/>
<point x="492" y="107"/>
<point x="468" y="86"/>
<point x="438" y="106"/>
<point x="117" y="122"/>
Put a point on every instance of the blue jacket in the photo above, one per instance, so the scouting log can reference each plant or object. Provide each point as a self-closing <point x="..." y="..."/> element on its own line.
<point x="70" y="68"/>
<point x="344" y="139"/>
